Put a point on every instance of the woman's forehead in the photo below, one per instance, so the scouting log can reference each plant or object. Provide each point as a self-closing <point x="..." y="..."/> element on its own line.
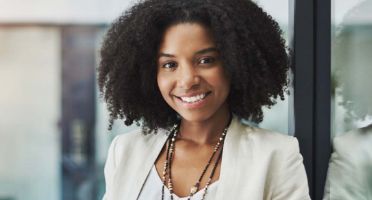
<point x="186" y="37"/>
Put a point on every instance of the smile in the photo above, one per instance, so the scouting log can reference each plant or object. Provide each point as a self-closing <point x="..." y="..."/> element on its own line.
<point x="194" y="99"/>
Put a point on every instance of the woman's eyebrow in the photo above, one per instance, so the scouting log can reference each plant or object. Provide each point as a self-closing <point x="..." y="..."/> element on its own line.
<point x="166" y="55"/>
<point x="207" y="50"/>
<point x="203" y="51"/>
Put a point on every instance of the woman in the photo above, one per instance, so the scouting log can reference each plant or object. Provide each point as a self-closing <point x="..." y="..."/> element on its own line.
<point x="189" y="71"/>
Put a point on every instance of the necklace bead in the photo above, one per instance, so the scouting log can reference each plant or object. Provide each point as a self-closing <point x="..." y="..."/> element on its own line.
<point x="193" y="190"/>
<point x="168" y="163"/>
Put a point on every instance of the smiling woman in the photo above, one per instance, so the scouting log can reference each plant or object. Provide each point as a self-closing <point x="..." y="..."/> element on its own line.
<point x="190" y="75"/>
<point x="200" y="67"/>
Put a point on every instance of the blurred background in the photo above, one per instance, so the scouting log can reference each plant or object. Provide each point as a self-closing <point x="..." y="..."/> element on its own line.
<point x="350" y="167"/>
<point x="53" y="125"/>
<point x="351" y="65"/>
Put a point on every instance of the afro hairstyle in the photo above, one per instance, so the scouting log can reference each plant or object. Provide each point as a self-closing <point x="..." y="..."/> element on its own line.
<point x="249" y="42"/>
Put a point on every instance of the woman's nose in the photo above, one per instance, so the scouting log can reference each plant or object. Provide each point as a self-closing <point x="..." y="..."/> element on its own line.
<point x="188" y="76"/>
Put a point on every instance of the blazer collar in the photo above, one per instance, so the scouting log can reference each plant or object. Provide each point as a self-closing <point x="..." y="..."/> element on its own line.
<point x="151" y="151"/>
<point x="230" y="157"/>
<point x="230" y="148"/>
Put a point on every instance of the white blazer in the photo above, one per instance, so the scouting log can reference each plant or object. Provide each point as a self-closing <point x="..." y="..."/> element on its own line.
<point x="257" y="164"/>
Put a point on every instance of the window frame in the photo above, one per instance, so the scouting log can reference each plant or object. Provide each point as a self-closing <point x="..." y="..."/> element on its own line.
<point x="312" y="88"/>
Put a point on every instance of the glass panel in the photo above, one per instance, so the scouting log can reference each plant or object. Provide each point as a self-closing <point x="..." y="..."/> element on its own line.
<point x="280" y="116"/>
<point x="350" y="174"/>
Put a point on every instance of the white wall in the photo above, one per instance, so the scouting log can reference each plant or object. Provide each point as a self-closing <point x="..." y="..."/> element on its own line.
<point x="92" y="11"/>
<point x="61" y="11"/>
<point x="29" y="113"/>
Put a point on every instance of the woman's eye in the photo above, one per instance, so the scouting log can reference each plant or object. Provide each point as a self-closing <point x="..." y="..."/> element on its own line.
<point x="207" y="60"/>
<point x="170" y="65"/>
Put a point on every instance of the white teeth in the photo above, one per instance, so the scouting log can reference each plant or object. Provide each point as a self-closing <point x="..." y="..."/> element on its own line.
<point x="194" y="98"/>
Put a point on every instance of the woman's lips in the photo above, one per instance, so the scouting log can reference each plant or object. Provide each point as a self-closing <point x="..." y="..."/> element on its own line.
<point x="193" y="101"/>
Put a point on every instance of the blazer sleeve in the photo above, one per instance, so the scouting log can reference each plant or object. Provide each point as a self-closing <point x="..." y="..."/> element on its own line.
<point x="291" y="181"/>
<point x="109" y="168"/>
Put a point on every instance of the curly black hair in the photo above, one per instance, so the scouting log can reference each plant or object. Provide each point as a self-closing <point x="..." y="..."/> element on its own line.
<point x="249" y="41"/>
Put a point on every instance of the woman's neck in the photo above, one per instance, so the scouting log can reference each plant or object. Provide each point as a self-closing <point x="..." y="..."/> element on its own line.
<point x="207" y="131"/>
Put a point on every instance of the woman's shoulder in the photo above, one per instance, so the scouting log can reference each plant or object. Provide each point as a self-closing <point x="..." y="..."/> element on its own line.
<point x="137" y="137"/>
<point x="270" y="156"/>
<point x="134" y="142"/>
<point x="273" y="137"/>
<point x="268" y="140"/>
<point x="265" y="143"/>
<point x="130" y="136"/>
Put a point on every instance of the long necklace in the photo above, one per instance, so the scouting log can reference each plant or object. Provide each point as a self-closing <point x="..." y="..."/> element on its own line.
<point x="165" y="166"/>
<point x="169" y="158"/>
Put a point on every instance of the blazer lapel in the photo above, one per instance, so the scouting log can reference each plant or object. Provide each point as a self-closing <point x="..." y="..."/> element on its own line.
<point x="232" y="163"/>
<point x="145" y="154"/>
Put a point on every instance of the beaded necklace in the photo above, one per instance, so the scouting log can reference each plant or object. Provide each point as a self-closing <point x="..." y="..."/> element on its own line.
<point x="170" y="146"/>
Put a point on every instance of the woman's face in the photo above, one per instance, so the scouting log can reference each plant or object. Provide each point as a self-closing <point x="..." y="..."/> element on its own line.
<point x="190" y="74"/>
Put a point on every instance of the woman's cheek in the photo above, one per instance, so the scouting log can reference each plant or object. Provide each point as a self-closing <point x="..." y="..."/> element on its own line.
<point x="163" y="85"/>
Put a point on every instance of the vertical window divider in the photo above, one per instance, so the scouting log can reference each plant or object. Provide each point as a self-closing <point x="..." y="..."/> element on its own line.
<point x="312" y="96"/>
<point x="322" y="120"/>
